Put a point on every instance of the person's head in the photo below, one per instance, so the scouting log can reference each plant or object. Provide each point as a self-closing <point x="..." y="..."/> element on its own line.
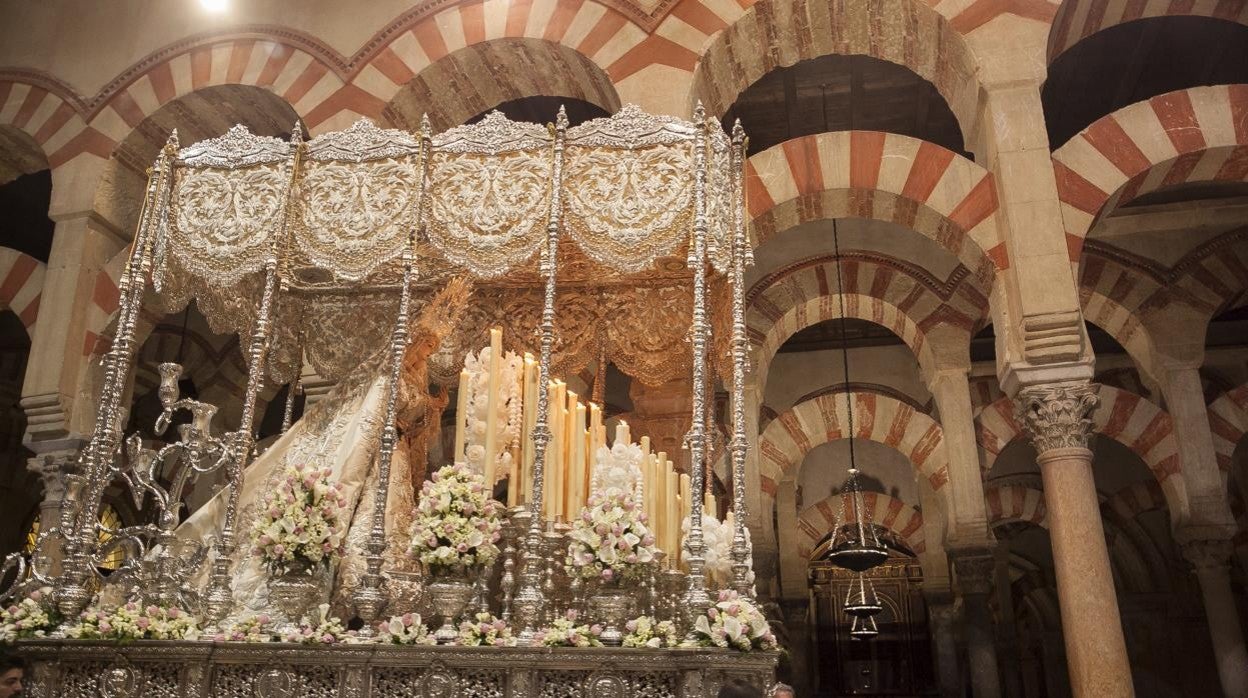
<point x="738" y="688"/>
<point x="12" y="671"/>
<point x="782" y="690"/>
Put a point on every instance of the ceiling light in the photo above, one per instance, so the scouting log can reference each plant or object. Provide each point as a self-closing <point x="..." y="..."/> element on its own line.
<point x="215" y="5"/>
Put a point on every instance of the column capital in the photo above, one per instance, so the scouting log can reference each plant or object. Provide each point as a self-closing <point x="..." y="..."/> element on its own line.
<point x="1057" y="415"/>
<point x="53" y="464"/>
<point x="974" y="569"/>
<point x="1208" y="554"/>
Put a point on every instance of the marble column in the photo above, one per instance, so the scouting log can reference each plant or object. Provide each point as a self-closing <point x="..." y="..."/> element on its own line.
<point x="942" y="618"/>
<point x="973" y="571"/>
<point x="1007" y="632"/>
<point x="1210" y="560"/>
<point x="1056" y="417"/>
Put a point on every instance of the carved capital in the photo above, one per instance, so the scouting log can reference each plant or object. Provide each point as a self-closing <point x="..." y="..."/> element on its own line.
<point x="1057" y="416"/>
<point x="974" y="570"/>
<point x="52" y="468"/>
<point x="1209" y="555"/>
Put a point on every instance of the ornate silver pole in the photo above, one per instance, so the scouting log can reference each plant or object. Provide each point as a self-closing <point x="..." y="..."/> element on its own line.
<point x="288" y="414"/>
<point x="738" y="446"/>
<point x="81" y="503"/>
<point x="530" y="600"/>
<point x="696" y="599"/>
<point x="369" y="597"/>
<point x="219" y="596"/>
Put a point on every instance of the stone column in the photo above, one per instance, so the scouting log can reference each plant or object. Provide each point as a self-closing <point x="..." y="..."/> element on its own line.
<point x="967" y="515"/>
<point x="1210" y="559"/>
<point x="793" y="582"/>
<point x="52" y="462"/>
<point x="1056" y="417"/>
<point x="973" y="570"/>
<point x="1007" y="632"/>
<point x="942" y="618"/>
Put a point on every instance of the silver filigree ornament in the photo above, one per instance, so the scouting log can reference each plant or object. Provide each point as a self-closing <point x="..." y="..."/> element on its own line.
<point x="631" y="127"/>
<point x="492" y="135"/>
<point x="239" y="147"/>
<point x="363" y="141"/>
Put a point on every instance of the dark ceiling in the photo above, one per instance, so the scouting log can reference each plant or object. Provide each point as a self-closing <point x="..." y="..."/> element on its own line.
<point x="542" y="110"/>
<point x="1137" y="60"/>
<point x="842" y="93"/>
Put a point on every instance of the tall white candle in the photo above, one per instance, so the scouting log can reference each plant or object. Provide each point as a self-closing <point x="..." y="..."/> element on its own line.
<point x="461" y="416"/>
<point x="491" y="406"/>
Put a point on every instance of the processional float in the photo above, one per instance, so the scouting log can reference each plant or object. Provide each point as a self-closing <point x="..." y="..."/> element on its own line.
<point x="302" y="246"/>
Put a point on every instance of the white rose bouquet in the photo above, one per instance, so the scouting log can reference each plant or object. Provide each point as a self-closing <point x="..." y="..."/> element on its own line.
<point x="325" y="630"/>
<point x="609" y="540"/>
<point x="717" y="549"/>
<point x="735" y="623"/>
<point x="485" y="629"/>
<point x="564" y="632"/>
<point x="33" y="616"/>
<point x="457" y="525"/>
<point x="302" y="520"/>
<point x="134" y="622"/>
<point x="407" y="629"/>
<point x="253" y="628"/>
<point x="645" y="631"/>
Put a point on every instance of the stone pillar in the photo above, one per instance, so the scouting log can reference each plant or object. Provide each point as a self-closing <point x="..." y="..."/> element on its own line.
<point x="942" y="618"/>
<point x="1007" y="634"/>
<point x="967" y="515"/>
<point x="1056" y="417"/>
<point x="1210" y="560"/>
<point x="797" y="613"/>
<point x="52" y="462"/>
<point x="793" y="582"/>
<point x="973" y="570"/>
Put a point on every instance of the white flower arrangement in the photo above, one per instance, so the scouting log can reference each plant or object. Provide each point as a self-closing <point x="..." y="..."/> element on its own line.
<point x="131" y="621"/>
<point x="735" y="623"/>
<point x="644" y="631"/>
<point x="617" y="469"/>
<point x="302" y="520"/>
<point x="252" y="628"/>
<point x="33" y="616"/>
<point x="407" y="629"/>
<point x="507" y="408"/>
<point x="485" y="629"/>
<point x="564" y="632"/>
<point x="457" y="524"/>
<point x="326" y="630"/>
<point x="609" y="540"/>
<point x="717" y="551"/>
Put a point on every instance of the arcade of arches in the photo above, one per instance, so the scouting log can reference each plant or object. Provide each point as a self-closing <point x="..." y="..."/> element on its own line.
<point x="1041" y="210"/>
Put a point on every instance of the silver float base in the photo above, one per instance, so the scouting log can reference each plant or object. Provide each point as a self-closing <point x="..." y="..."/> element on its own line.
<point x="78" y="669"/>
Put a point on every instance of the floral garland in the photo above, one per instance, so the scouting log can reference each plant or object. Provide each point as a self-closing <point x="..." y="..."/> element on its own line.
<point x="327" y="630"/>
<point x="407" y="629"/>
<point x="735" y="623"/>
<point x="302" y="520"/>
<point x="253" y="628"/>
<point x="456" y="526"/>
<point x="33" y="616"/>
<point x="564" y="632"/>
<point x="134" y="622"/>
<point x="609" y="539"/>
<point x="485" y="629"/>
<point x="645" y="631"/>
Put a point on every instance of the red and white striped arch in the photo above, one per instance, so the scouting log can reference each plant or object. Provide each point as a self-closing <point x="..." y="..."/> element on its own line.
<point x="45" y="112"/>
<point x="908" y="33"/>
<point x="1133" y="500"/>
<point x="880" y="176"/>
<point x="783" y="445"/>
<point x="1228" y="420"/>
<point x="21" y="284"/>
<point x="1125" y="417"/>
<point x="881" y="289"/>
<point x="1194" y="135"/>
<point x="1078" y="19"/>
<point x="817" y="521"/>
<point x="1015" y="504"/>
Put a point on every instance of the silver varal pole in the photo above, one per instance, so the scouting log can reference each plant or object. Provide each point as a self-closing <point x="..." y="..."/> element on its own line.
<point x="218" y="598"/>
<point x="369" y="597"/>
<point x="529" y="601"/>
<point x="738" y="447"/>
<point x="83" y="492"/>
<point x="697" y="600"/>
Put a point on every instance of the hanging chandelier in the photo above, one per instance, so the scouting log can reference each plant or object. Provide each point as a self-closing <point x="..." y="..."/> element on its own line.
<point x="860" y="600"/>
<point x="863" y="628"/>
<point x="854" y="545"/>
